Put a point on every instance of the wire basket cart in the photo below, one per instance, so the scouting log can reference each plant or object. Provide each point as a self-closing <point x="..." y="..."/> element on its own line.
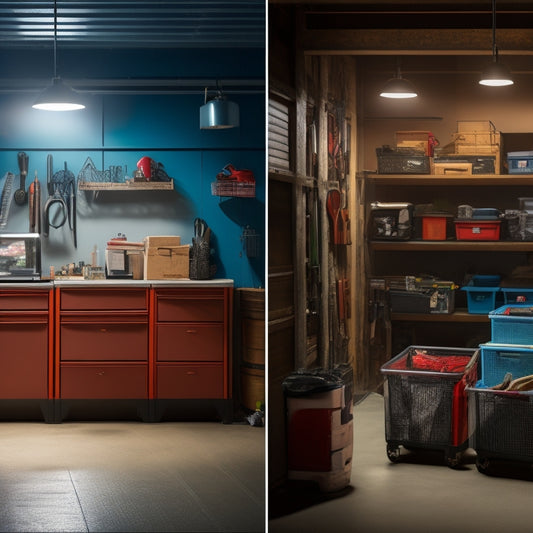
<point x="426" y="400"/>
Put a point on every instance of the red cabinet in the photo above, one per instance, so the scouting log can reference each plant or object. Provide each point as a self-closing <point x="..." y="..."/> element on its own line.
<point x="192" y="343"/>
<point x="25" y="341"/>
<point x="102" y="345"/>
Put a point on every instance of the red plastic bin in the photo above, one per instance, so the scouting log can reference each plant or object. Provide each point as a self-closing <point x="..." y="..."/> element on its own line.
<point x="477" y="230"/>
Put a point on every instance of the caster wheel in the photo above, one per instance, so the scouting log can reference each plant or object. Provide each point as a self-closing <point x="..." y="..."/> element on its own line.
<point x="483" y="465"/>
<point x="453" y="460"/>
<point x="393" y="453"/>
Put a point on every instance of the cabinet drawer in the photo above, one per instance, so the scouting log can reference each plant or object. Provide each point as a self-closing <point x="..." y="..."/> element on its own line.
<point x="190" y="342"/>
<point x="190" y="381"/>
<point x="104" y="381"/>
<point x="14" y="300"/>
<point x="104" y="341"/>
<point x="24" y="361"/>
<point x="190" y="310"/>
<point x="103" y="299"/>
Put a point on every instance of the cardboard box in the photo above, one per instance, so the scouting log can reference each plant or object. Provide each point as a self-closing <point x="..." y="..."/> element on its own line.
<point x="165" y="258"/>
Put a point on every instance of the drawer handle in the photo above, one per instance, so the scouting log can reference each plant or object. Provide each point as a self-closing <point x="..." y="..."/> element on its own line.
<point x="191" y="373"/>
<point x="191" y="331"/>
<point x="101" y="373"/>
<point x="103" y="330"/>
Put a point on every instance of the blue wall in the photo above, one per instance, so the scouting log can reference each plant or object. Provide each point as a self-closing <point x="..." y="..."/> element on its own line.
<point x="119" y="129"/>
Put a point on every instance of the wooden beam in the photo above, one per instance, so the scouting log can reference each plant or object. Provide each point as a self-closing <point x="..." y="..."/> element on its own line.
<point x="416" y="41"/>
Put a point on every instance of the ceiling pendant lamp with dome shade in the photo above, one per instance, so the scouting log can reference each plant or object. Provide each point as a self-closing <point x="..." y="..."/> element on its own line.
<point x="398" y="87"/>
<point x="495" y="74"/>
<point x="218" y="112"/>
<point x="58" y="96"/>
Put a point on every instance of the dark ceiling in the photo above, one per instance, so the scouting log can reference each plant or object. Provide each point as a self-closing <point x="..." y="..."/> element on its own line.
<point x="134" y="24"/>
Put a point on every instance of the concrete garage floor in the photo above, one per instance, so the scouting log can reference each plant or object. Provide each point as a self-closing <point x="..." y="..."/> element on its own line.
<point x="418" y="495"/>
<point x="131" y="476"/>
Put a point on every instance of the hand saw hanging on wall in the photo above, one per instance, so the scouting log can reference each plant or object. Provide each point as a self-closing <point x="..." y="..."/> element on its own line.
<point x="5" y="200"/>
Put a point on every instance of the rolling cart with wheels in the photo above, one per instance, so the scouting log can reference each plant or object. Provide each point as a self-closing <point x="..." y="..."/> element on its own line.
<point x="426" y="400"/>
<point x="501" y="421"/>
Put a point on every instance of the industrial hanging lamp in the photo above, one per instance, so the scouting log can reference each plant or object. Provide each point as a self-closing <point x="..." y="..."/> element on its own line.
<point x="496" y="74"/>
<point x="58" y="96"/>
<point x="218" y="112"/>
<point x="398" y="87"/>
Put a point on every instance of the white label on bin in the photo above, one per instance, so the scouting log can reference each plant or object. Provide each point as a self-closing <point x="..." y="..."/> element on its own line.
<point x="476" y="229"/>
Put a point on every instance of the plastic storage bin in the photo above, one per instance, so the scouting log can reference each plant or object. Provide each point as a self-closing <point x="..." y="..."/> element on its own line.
<point x="477" y="230"/>
<point x="497" y="360"/>
<point x="512" y="324"/>
<point x="434" y="226"/>
<point x="482" y="294"/>
<point x="520" y="162"/>
<point x="426" y="402"/>
<point x="517" y="295"/>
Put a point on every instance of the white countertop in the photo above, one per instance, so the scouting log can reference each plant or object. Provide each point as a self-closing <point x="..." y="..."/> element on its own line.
<point x="47" y="285"/>
<point x="143" y="283"/>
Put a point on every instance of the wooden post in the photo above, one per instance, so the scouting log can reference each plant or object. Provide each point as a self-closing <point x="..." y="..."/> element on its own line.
<point x="324" y="344"/>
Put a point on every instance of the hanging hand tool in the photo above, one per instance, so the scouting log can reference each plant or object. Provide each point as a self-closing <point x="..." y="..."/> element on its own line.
<point x="333" y="206"/>
<point x="21" y="196"/>
<point x="35" y="205"/>
<point x="5" y="200"/>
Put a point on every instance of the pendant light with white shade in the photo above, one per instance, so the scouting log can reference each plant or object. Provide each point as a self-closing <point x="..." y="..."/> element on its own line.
<point x="58" y="96"/>
<point x="398" y="87"/>
<point x="496" y="74"/>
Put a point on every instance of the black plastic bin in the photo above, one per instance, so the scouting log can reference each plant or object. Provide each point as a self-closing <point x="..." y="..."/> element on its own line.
<point x="426" y="400"/>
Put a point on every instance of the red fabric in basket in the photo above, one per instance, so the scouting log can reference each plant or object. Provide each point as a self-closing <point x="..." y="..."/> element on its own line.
<point x="433" y="363"/>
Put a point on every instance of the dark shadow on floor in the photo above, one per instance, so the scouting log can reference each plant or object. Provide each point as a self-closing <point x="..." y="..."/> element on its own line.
<point x="295" y="496"/>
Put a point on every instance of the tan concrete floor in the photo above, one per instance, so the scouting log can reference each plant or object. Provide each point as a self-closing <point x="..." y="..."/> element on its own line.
<point x="417" y="495"/>
<point x="131" y="476"/>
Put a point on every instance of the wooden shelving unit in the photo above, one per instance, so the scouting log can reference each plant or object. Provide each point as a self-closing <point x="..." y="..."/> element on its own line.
<point x="451" y="179"/>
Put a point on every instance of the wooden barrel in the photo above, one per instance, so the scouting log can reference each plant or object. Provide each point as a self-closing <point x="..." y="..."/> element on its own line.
<point x="252" y="386"/>
<point x="252" y="319"/>
<point x="252" y="308"/>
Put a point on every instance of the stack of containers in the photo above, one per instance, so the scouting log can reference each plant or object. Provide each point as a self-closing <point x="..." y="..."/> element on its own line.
<point x="500" y="408"/>
<point x="319" y="407"/>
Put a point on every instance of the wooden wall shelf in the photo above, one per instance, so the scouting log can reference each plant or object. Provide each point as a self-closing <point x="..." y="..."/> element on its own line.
<point x="127" y="186"/>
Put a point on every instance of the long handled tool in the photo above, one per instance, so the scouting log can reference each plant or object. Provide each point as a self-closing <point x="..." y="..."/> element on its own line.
<point x="35" y="205"/>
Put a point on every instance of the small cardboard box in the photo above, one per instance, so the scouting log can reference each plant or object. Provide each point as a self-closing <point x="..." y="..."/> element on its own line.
<point x="165" y="258"/>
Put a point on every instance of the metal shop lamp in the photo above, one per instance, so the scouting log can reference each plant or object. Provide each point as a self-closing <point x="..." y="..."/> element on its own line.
<point x="496" y="74"/>
<point x="58" y="96"/>
<point x="218" y="113"/>
<point x="398" y="87"/>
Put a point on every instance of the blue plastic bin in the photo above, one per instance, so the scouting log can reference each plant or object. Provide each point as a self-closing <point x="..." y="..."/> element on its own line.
<point x="511" y="329"/>
<point x="498" y="360"/>
<point x="520" y="295"/>
<point x="520" y="162"/>
<point x="483" y="294"/>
